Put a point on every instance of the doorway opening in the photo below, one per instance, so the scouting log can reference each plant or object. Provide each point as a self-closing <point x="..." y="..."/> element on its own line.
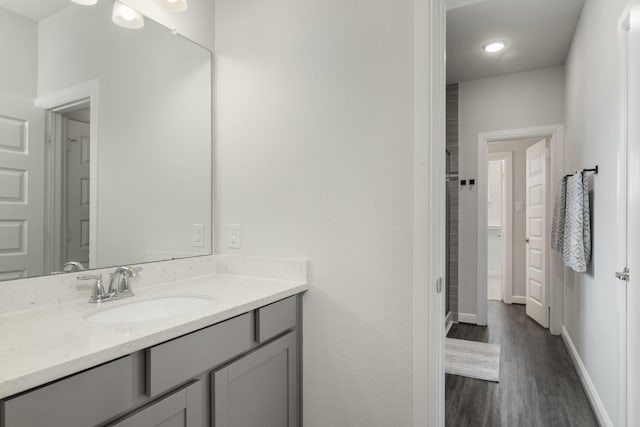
<point x="519" y="225"/>
<point x="499" y="224"/>
<point x="69" y="160"/>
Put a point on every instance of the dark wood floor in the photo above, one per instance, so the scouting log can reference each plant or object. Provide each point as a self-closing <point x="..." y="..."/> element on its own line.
<point x="538" y="384"/>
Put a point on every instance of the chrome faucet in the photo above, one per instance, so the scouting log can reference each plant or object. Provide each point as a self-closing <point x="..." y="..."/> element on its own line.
<point x="120" y="283"/>
<point x="98" y="293"/>
<point x="73" y="266"/>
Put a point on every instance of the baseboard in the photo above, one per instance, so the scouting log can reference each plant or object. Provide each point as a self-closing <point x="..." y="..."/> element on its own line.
<point x="447" y="328"/>
<point x="468" y="318"/>
<point x="587" y="383"/>
<point x="518" y="300"/>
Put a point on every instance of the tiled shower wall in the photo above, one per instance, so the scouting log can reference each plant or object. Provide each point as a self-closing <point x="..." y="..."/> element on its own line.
<point x="452" y="202"/>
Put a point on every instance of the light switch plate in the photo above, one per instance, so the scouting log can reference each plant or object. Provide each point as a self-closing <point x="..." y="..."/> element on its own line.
<point x="198" y="235"/>
<point x="519" y="206"/>
<point x="233" y="236"/>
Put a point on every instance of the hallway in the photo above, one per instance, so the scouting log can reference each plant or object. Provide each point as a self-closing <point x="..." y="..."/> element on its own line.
<point x="538" y="384"/>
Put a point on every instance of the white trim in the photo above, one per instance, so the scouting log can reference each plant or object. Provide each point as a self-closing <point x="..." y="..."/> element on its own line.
<point x="627" y="390"/>
<point x="556" y="271"/>
<point x="428" y="306"/>
<point x="467" y="318"/>
<point x="60" y="101"/>
<point x="448" y="323"/>
<point x="589" y="388"/>
<point x="507" y="229"/>
<point x="517" y="299"/>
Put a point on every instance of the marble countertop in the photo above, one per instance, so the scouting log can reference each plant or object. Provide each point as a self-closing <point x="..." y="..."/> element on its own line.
<point x="49" y="343"/>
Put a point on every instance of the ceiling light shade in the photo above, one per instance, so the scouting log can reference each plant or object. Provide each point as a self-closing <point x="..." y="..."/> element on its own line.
<point x="173" y="5"/>
<point x="494" y="47"/>
<point x="126" y="17"/>
<point x="85" y="2"/>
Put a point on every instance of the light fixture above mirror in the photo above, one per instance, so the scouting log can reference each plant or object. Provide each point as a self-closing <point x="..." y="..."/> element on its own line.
<point x="173" y="5"/>
<point x="85" y="2"/>
<point x="126" y="17"/>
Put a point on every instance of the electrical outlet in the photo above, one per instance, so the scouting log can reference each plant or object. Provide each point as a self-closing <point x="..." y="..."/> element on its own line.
<point x="519" y="206"/>
<point x="233" y="236"/>
<point x="198" y="235"/>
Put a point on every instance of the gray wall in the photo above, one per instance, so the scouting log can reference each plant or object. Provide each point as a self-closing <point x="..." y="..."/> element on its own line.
<point x="595" y="301"/>
<point x="452" y="201"/>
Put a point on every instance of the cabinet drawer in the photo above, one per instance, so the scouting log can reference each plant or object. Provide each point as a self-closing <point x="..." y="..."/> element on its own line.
<point x="181" y="359"/>
<point x="84" y="399"/>
<point x="276" y="318"/>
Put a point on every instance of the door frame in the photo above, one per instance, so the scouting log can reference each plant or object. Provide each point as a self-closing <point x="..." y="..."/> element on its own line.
<point x="555" y="287"/>
<point x="507" y="228"/>
<point x="629" y="390"/>
<point x="55" y="104"/>
<point x="428" y="219"/>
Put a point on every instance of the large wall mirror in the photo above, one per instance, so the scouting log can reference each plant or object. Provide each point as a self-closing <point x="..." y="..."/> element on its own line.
<point x="105" y="140"/>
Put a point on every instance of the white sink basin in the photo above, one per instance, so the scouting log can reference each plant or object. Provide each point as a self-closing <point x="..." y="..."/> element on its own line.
<point x="153" y="309"/>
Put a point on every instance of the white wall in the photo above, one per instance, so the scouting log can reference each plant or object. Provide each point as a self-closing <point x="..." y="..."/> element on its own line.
<point x="18" y="83"/>
<point x="521" y="100"/>
<point x="594" y="300"/>
<point x="154" y="130"/>
<point x="314" y="136"/>
<point x="519" y="150"/>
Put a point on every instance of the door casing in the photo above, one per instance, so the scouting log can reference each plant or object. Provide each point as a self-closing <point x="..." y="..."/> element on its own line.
<point x="555" y="290"/>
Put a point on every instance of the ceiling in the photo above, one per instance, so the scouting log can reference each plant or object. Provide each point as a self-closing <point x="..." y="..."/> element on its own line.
<point x="34" y="9"/>
<point x="538" y="33"/>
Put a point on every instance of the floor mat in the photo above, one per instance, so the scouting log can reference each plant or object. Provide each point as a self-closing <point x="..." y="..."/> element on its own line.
<point x="472" y="359"/>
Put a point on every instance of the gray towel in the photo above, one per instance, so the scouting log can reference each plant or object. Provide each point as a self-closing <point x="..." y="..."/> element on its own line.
<point x="557" y="226"/>
<point x="576" y="246"/>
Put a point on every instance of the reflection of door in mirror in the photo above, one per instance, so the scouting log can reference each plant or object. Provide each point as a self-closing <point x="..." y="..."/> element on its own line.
<point x="21" y="151"/>
<point x="76" y="188"/>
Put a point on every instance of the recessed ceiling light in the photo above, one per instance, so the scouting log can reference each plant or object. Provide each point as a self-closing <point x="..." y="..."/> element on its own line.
<point x="173" y="5"/>
<point x="85" y="2"/>
<point x="494" y="47"/>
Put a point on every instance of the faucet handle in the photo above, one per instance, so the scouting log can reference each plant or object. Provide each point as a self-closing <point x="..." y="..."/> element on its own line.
<point x="98" y="293"/>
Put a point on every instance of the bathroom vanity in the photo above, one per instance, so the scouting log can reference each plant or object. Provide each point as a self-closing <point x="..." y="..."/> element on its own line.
<point x="103" y="171"/>
<point x="233" y="362"/>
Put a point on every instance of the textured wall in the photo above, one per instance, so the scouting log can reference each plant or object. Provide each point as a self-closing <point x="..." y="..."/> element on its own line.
<point x="314" y="158"/>
<point x="594" y="301"/>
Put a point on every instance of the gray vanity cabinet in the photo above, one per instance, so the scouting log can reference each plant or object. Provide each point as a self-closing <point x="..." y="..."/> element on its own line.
<point x="242" y="372"/>
<point x="260" y="389"/>
<point x="180" y="409"/>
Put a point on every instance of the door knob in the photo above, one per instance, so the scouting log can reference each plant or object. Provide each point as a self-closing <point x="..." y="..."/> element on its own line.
<point x="526" y="240"/>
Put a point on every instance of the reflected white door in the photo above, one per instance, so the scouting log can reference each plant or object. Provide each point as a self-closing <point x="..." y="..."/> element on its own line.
<point x="633" y="220"/>
<point x="77" y="192"/>
<point x="536" y="258"/>
<point x="21" y="192"/>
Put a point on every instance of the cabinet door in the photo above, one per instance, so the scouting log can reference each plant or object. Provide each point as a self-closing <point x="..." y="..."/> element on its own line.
<point x="180" y="409"/>
<point x="259" y="390"/>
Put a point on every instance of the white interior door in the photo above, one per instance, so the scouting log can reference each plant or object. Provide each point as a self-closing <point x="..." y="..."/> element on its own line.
<point x="21" y="192"/>
<point x="633" y="219"/>
<point x="536" y="215"/>
<point x="77" y="192"/>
